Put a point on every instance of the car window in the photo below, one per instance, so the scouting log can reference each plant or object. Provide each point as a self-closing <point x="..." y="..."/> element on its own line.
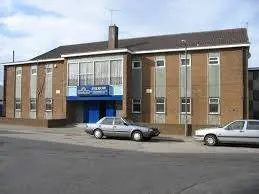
<point x="119" y="121"/>
<point x="252" y="125"/>
<point x="237" y="125"/>
<point x="107" y="121"/>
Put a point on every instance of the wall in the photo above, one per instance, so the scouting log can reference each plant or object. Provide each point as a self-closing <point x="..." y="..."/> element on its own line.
<point x="9" y="88"/>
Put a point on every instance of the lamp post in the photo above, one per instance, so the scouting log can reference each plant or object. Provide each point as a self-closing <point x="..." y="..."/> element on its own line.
<point x="185" y="88"/>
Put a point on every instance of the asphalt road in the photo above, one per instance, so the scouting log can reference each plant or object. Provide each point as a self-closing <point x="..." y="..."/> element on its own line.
<point x="29" y="167"/>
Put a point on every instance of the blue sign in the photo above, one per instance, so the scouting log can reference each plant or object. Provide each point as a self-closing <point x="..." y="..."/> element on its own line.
<point x="90" y="90"/>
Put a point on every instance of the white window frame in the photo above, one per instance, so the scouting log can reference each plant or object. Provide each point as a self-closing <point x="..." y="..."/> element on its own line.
<point x="190" y="104"/>
<point x="18" y="71"/>
<point x="15" y="102"/>
<point x="136" y="102"/>
<point x="49" y="66"/>
<point x="182" y="57"/>
<point x="213" y="59"/>
<point x="33" y="110"/>
<point x="34" y="67"/>
<point x="218" y="103"/>
<point x="140" y="64"/>
<point x="163" y="103"/>
<point x="51" y="103"/>
<point x="160" y="60"/>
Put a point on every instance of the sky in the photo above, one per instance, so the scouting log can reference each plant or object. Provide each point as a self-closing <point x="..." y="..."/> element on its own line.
<point x="32" y="27"/>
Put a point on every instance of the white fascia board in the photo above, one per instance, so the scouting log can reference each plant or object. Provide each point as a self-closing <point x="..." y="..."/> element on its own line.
<point x="192" y="48"/>
<point x="97" y="53"/>
<point x="33" y="61"/>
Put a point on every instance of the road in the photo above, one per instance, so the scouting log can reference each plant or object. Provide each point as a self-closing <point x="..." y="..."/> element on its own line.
<point x="31" y="166"/>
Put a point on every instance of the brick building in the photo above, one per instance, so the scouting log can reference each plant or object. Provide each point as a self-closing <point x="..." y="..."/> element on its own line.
<point x="139" y="78"/>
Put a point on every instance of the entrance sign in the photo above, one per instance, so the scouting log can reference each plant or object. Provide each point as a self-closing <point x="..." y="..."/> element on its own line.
<point x="93" y="90"/>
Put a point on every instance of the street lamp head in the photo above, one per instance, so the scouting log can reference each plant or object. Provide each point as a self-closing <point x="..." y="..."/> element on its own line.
<point x="183" y="41"/>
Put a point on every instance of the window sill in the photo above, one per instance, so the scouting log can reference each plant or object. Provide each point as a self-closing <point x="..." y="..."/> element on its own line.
<point x="160" y="112"/>
<point x="183" y="113"/>
<point x="211" y="113"/>
<point x="48" y="110"/>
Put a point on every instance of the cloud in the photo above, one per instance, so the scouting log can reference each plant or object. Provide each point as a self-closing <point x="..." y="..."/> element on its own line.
<point x="32" y="27"/>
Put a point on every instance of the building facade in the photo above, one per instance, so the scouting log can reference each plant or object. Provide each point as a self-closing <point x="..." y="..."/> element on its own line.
<point x="147" y="79"/>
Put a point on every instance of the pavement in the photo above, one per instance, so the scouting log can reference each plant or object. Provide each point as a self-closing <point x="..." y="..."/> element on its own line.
<point x="33" y="166"/>
<point x="161" y="144"/>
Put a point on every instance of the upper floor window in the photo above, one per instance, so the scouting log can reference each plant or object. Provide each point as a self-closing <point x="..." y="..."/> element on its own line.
<point x="33" y="104"/>
<point x="17" y="103"/>
<point x="136" y="65"/>
<point x="214" y="59"/>
<point x="185" y="59"/>
<point x="49" y="69"/>
<point x="160" y="63"/>
<point x="18" y="71"/>
<point x="48" y="104"/>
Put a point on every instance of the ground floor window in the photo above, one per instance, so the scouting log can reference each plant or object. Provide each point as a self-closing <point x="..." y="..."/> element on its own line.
<point x="160" y="105"/>
<point x="185" y="101"/>
<point x="136" y="105"/>
<point x="33" y="104"/>
<point x="18" y="104"/>
<point x="214" y="105"/>
<point x="48" y="104"/>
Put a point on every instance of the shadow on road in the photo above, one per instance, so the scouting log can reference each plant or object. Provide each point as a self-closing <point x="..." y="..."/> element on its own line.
<point x="153" y="140"/>
<point x="239" y="145"/>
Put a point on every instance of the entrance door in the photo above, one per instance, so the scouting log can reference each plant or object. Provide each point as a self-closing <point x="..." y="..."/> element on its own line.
<point x="91" y="112"/>
<point x="110" y="109"/>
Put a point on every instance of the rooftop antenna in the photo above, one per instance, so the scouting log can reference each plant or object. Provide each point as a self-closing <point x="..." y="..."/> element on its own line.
<point x="246" y="26"/>
<point x="111" y="14"/>
<point x="13" y="56"/>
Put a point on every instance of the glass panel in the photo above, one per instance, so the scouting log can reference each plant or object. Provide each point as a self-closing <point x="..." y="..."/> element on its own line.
<point x="252" y="125"/>
<point x="101" y="70"/>
<point x="116" y="72"/>
<point x="73" y="71"/>
<point x="107" y="121"/>
<point x="160" y="63"/>
<point x="238" y="125"/>
<point x="160" y="108"/>
<point x="214" y="108"/>
<point x="118" y="121"/>
<point x="160" y="100"/>
<point x="136" y="64"/>
<point x="183" y="61"/>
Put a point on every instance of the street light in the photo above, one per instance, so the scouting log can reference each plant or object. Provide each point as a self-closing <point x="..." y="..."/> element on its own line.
<point x="185" y="93"/>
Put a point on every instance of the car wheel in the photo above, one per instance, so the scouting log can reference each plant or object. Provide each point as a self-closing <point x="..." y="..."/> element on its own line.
<point x="137" y="136"/>
<point x="98" y="134"/>
<point x="210" y="140"/>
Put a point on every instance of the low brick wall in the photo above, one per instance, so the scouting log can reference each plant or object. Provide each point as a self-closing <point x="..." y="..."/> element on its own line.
<point x="34" y="122"/>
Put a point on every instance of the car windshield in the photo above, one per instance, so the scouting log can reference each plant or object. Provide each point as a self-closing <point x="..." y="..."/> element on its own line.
<point x="129" y="122"/>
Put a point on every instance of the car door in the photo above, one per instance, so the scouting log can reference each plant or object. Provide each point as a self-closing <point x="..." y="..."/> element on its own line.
<point x="120" y="128"/>
<point x="252" y="132"/>
<point x="234" y="132"/>
<point x="107" y="126"/>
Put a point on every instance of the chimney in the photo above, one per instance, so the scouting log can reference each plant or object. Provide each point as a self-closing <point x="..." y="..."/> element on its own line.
<point x="113" y="37"/>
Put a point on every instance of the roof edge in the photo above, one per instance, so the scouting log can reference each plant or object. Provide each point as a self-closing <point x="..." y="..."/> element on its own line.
<point x="32" y="61"/>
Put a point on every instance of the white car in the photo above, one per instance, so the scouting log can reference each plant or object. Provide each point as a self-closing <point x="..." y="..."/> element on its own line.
<point x="238" y="131"/>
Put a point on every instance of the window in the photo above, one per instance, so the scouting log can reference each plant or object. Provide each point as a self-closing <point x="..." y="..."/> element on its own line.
<point x="18" y="71"/>
<point x="116" y="72"/>
<point x="213" y="58"/>
<point x="136" y="65"/>
<point x="34" y="70"/>
<point x="184" y="58"/>
<point x="17" y="104"/>
<point x="49" y="69"/>
<point x="48" y="104"/>
<point x="237" y="125"/>
<point x="252" y="125"/>
<point x="73" y="71"/>
<point x="107" y="121"/>
<point x="185" y="101"/>
<point x="160" y="63"/>
<point x="214" y="105"/>
<point x="33" y="104"/>
<point x="183" y="62"/>
<point x="118" y="121"/>
<point x="86" y="76"/>
<point x="160" y="105"/>
<point x="136" y="103"/>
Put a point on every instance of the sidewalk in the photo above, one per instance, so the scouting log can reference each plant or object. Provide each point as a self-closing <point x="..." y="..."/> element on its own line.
<point x="78" y="131"/>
